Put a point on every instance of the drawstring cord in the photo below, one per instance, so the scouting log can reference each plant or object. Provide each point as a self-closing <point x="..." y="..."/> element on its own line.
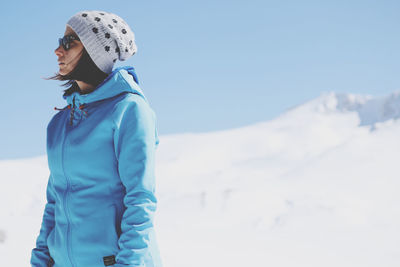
<point x="81" y="107"/>
<point x="56" y="108"/>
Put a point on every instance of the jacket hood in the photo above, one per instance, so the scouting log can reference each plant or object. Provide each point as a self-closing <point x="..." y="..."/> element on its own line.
<point x="122" y="79"/>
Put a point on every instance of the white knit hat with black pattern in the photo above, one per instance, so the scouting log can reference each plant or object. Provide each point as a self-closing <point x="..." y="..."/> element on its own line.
<point x="105" y="36"/>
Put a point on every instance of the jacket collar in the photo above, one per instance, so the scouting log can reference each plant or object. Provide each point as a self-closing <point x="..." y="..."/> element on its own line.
<point x="122" y="79"/>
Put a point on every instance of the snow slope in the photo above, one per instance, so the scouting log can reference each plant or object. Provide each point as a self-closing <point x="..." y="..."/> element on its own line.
<point x="316" y="186"/>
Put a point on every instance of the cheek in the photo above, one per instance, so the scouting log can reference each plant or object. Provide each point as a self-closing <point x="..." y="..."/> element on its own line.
<point x="73" y="60"/>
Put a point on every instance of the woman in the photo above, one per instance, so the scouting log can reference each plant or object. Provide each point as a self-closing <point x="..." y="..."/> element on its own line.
<point x="100" y="147"/>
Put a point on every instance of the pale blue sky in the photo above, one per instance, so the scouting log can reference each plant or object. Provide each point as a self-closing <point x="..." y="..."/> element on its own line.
<point x="204" y="65"/>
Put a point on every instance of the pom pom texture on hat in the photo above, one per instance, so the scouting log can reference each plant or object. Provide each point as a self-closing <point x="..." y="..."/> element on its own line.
<point x="105" y="36"/>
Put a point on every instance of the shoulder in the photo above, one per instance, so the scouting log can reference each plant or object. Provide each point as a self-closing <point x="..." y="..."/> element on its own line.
<point x="130" y="100"/>
<point x="132" y="107"/>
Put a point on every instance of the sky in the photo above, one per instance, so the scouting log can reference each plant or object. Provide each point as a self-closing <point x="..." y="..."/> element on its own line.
<point x="204" y="65"/>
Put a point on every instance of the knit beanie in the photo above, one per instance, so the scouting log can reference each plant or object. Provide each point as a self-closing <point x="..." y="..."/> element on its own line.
<point x="105" y="36"/>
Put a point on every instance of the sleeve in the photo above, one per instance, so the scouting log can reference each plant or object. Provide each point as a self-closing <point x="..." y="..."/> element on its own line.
<point x="40" y="256"/>
<point x="135" y="141"/>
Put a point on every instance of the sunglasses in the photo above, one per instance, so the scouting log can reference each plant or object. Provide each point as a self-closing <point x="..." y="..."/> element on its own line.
<point x="67" y="40"/>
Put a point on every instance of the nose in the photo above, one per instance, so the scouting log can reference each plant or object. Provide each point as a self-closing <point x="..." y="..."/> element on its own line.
<point x="59" y="51"/>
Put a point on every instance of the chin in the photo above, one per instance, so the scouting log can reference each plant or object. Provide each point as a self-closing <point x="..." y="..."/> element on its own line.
<point x="62" y="72"/>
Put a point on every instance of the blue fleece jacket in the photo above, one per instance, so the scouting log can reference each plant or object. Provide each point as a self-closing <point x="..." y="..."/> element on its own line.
<point x="101" y="190"/>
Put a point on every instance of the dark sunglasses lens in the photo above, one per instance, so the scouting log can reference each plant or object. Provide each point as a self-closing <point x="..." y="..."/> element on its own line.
<point x="64" y="42"/>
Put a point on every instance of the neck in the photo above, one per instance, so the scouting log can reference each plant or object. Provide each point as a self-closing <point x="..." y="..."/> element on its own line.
<point x="85" y="87"/>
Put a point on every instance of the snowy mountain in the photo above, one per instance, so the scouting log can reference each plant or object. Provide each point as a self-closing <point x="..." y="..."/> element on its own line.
<point x="316" y="186"/>
<point x="369" y="109"/>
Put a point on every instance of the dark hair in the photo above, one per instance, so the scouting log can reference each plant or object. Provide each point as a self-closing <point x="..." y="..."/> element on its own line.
<point x="85" y="71"/>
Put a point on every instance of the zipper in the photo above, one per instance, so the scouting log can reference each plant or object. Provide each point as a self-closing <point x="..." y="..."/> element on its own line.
<point x="65" y="199"/>
<point x="71" y="114"/>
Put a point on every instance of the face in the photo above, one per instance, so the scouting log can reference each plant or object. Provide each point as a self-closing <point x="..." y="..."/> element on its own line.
<point x="67" y="60"/>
